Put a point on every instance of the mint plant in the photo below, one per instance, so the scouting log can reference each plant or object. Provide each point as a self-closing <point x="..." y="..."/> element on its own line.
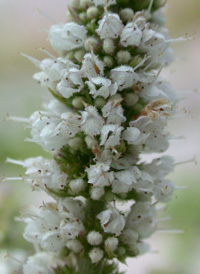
<point x="110" y="106"/>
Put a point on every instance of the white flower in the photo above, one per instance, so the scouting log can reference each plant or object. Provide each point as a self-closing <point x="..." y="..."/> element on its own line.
<point x="44" y="173"/>
<point x="91" y="122"/>
<point x="99" y="175"/>
<point x="133" y="32"/>
<point x="95" y="254"/>
<point x="151" y="39"/>
<point x="71" y="83"/>
<point x="110" y="26"/>
<point x="52" y="129"/>
<point x="124" y="76"/>
<point x="55" y="224"/>
<point x="113" y="111"/>
<point x="39" y="263"/>
<point x="163" y="190"/>
<point x="92" y="66"/>
<point x="157" y="139"/>
<point x="94" y="238"/>
<point x="160" y="167"/>
<point x="134" y="136"/>
<point x="67" y="37"/>
<point x="102" y="2"/>
<point x="142" y="219"/>
<point x="111" y="135"/>
<point x="124" y="181"/>
<point x="112" y="221"/>
<point x="106" y="88"/>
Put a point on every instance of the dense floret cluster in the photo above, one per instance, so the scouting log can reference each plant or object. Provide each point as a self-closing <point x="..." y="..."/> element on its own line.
<point x="110" y="107"/>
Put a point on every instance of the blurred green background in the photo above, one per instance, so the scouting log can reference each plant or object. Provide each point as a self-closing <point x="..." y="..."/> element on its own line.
<point x="23" y="30"/>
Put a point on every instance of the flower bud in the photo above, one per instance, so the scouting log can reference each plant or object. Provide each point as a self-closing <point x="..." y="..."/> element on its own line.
<point x="77" y="185"/>
<point x="70" y="55"/>
<point x="96" y="254"/>
<point x="123" y="57"/>
<point x="77" y="102"/>
<point x="91" y="43"/>
<point x="83" y="16"/>
<point x="121" y="251"/>
<point x="111" y="244"/>
<point x="99" y="102"/>
<point x="85" y="3"/>
<point x="94" y="238"/>
<point x="127" y="14"/>
<point x="74" y="245"/>
<point x="78" y="55"/>
<point x="109" y="196"/>
<point x="91" y="142"/>
<point x="92" y="12"/>
<point x="97" y="192"/>
<point x="74" y="3"/>
<point x="117" y="96"/>
<point x="75" y="143"/>
<point x="108" y="46"/>
<point x="131" y="99"/>
<point x="108" y="60"/>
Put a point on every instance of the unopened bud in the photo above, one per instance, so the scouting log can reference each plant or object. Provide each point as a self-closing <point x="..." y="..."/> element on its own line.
<point x="97" y="192"/>
<point x="99" y="102"/>
<point x="111" y="244"/>
<point x="75" y="143"/>
<point x="94" y="238"/>
<point x="74" y="245"/>
<point x="123" y="56"/>
<point x="74" y="3"/>
<point x="78" y="55"/>
<point x="77" y="102"/>
<point x="127" y="14"/>
<point x="83" y="16"/>
<point x="131" y="99"/>
<point x="91" y="43"/>
<point x="91" y="142"/>
<point x="117" y="96"/>
<point x="108" y="46"/>
<point x="96" y="254"/>
<point x="108" y="60"/>
<point x="77" y="185"/>
<point x="85" y="3"/>
<point x="92" y="12"/>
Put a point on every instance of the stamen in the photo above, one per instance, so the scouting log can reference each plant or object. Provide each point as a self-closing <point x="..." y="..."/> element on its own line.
<point x="12" y="179"/>
<point x="150" y="6"/>
<point x="8" y="255"/>
<point x="106" y="7"/>
<point x="33" y="60"/>
<point x="48" y="53"/>
<point x="46" y="15"/>
<point x="142" y="62"/>
<point x="180" y="39"/>
<point x="15" y="162"/>
<point x="157" y="75"/>
<point x="174" y="231"/>
<point x="187" y="161"/>
<point x="164" y="219"/>
<point x="17" y="119"/>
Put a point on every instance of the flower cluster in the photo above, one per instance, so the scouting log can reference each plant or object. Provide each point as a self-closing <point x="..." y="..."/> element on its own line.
<point x="110" y="106"/>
